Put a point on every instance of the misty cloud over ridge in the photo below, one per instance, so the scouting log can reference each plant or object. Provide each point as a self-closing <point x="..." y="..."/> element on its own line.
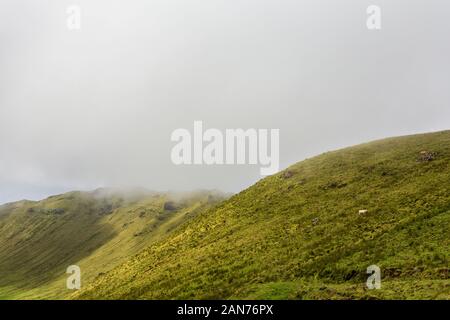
<point x="96" y="107"/>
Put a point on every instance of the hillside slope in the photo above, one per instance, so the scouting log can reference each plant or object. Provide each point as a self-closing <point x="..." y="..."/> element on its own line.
<point x="298" y="234"/>
<point x="94" y="230"/>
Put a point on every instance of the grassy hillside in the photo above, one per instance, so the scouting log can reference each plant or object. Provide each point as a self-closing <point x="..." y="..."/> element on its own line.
<point x="95" y="230"/>
<point x="299" y="234"/>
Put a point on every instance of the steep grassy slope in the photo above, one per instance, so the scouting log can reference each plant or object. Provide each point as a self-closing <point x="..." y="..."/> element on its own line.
<point x="95" y="230"/>
<point x="298" y="234"/>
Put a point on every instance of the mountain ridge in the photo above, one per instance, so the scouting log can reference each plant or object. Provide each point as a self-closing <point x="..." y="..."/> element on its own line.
<point x="307" y="232"/>
<point x="40" y="239"/>
<point x="299" y="234"/>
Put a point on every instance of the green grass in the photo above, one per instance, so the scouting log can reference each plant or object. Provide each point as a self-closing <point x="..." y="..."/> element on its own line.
<point x="312" y="289"/>
<point x="96" y="231"/>
<point x="298" y="234"/>
<point x="293" y="235"/>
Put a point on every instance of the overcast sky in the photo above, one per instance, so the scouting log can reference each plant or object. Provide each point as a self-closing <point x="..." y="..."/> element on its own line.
<point x="81" y="109"/>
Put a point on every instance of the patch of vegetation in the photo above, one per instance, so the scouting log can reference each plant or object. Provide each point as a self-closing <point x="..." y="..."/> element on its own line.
<point x="95" y="230"/>
<point x="299" y="235"/>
